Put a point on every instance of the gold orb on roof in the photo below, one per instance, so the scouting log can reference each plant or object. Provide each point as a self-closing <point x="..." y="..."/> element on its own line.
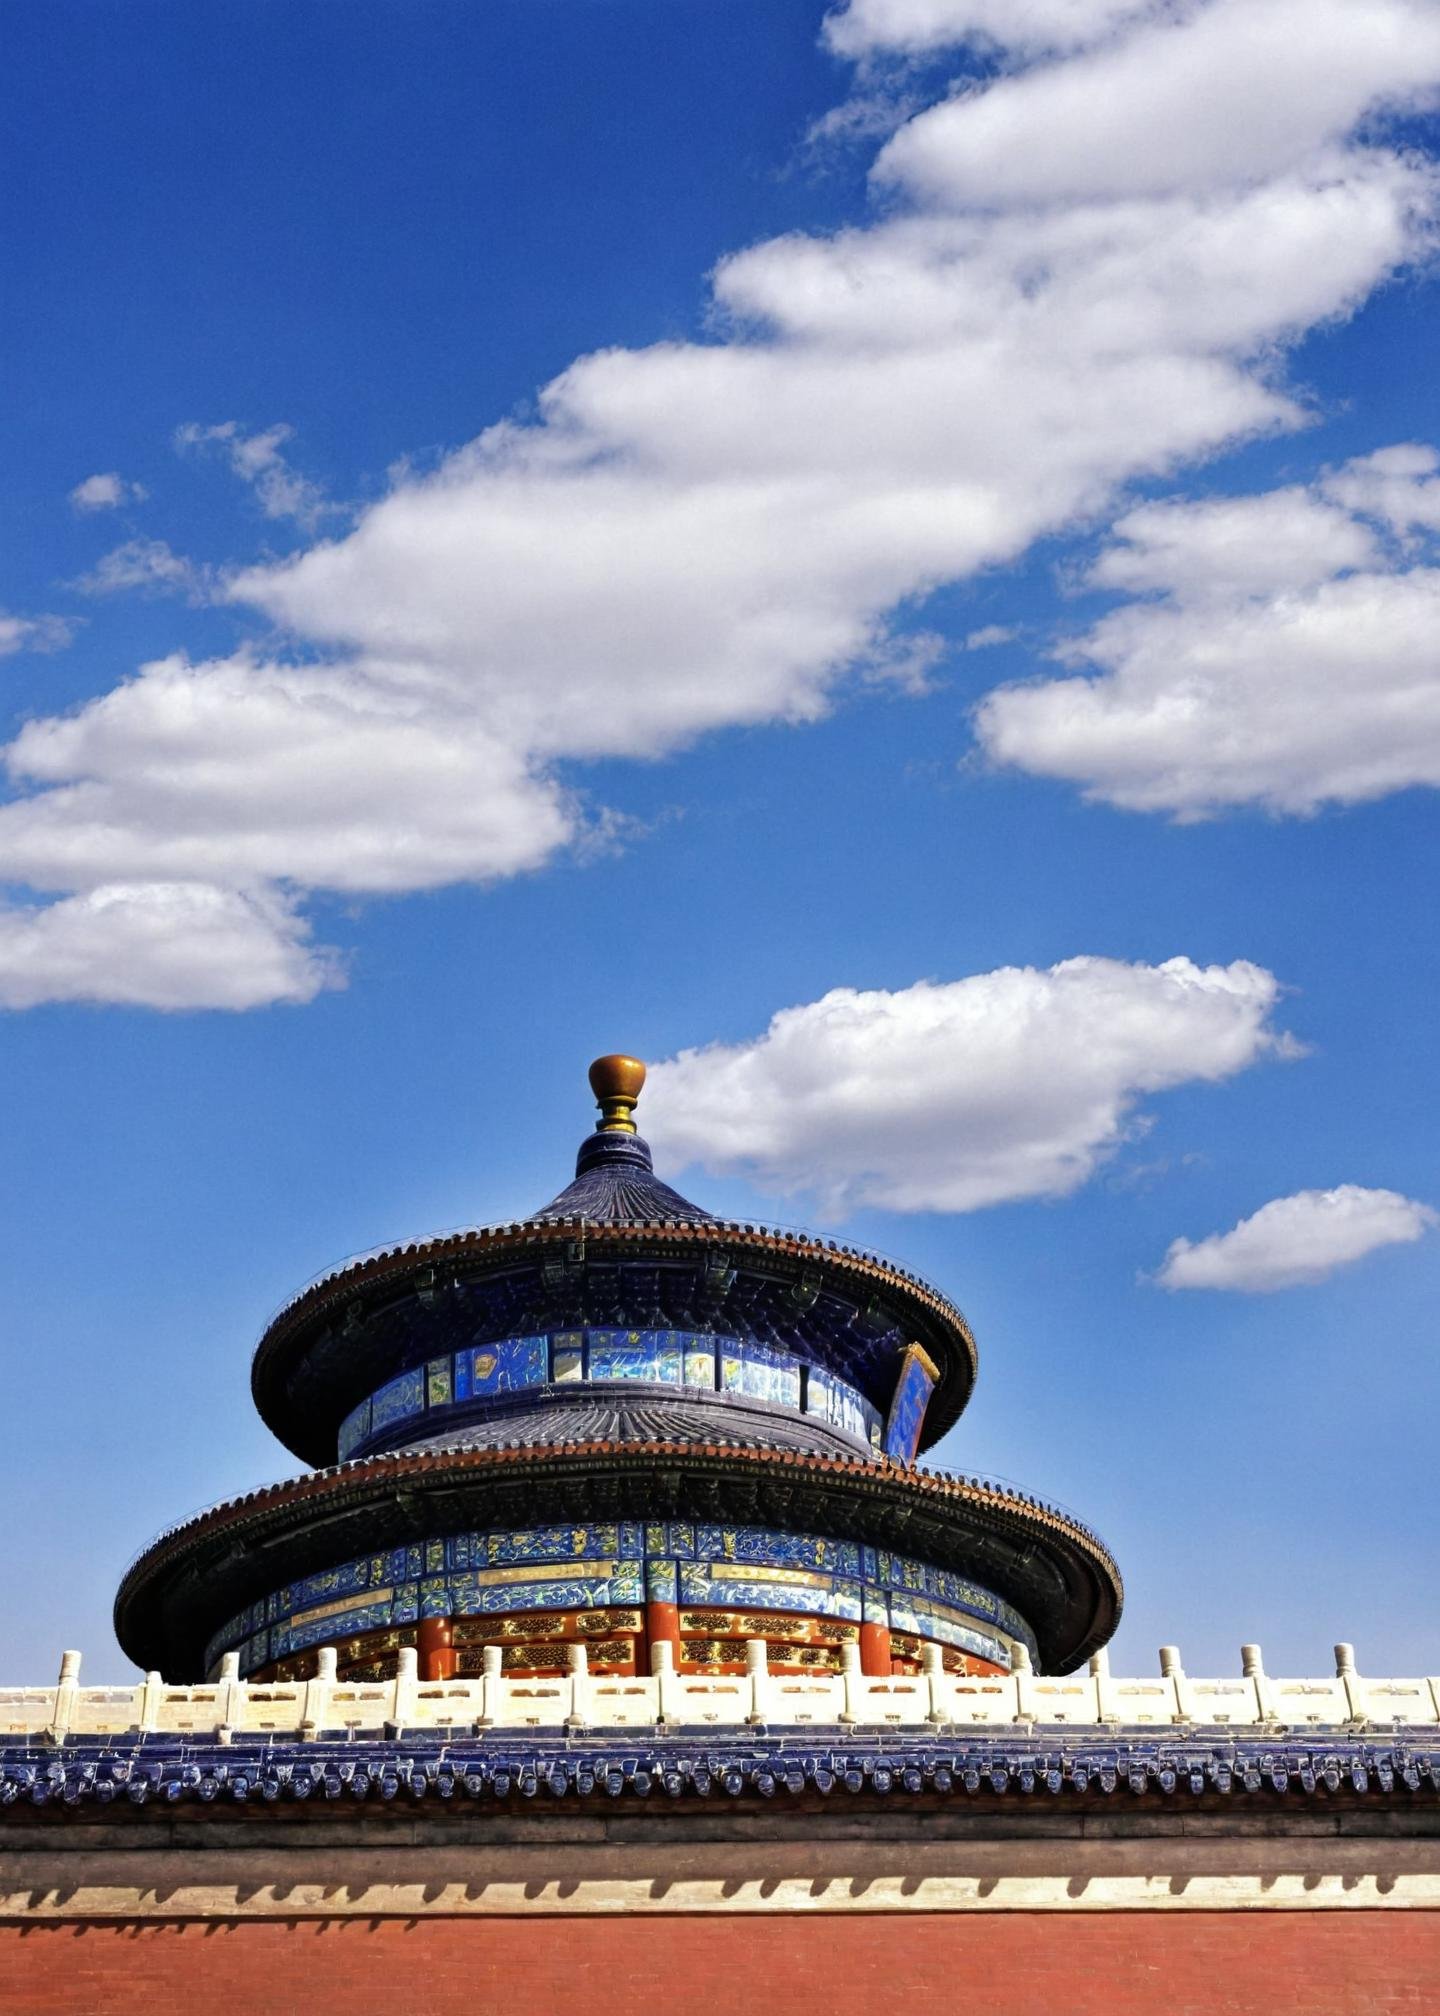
<point x="616" y="1081"/>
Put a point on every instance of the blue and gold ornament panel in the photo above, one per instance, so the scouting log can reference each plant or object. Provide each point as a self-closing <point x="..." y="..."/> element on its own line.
<point x="917" y="1381"/>
<point x="601" y="1563"/>
<point x="677" y="1358"/>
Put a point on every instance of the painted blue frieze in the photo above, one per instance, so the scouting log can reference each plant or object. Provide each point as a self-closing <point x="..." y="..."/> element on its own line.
<point x="759" y="1372"/>
<point x="654" y="1355"/>
<point x="760" y="1545"/>
<point x="589" y="1585"/>
<point x="699" y="1358"/>
<point x="734" y="1365"/>
<point x="945" y="1627"/>
<point x="721" y="1587"/>
<point x="567" y="1356"/>
<point x="397" y="1401"/>
<point x="596" y="1564"/>
<point x="833" y="1401"/>
<point x="772" y="1376"/>
<point x="507" y="1366"/>
<point x="662" y="1581"/>
<point x="546" y="1543"/>
<point x="354" y="1430"/>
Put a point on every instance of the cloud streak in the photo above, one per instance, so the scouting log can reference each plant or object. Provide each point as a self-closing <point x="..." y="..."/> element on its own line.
<point x="145" y="566"/>
<point x="953" y="1096"/>
<point x="259" y="462"/>
<point x="33" y="633"/>
<point x="106" y="492"/>
<point x="866" y="29"/>
<point x="1282" y="654"/>
<point x="158" y="945"/>
<point x="1296" y="1241"/>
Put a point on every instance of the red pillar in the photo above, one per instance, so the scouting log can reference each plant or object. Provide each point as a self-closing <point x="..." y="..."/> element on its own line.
<point x="435" y="1642"/>
<point x="662" y="1622"/>
<point x="875" y="1651"/>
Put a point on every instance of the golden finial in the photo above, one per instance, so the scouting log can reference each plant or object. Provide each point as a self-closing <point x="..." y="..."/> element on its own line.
<point x="616" y="1082"/>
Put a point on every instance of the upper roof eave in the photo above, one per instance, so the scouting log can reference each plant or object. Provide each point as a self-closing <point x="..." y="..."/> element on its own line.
<point x="480" y="1247"/>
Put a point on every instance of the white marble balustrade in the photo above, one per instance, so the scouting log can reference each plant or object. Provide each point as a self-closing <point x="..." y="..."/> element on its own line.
<point x="230" y="1706"/>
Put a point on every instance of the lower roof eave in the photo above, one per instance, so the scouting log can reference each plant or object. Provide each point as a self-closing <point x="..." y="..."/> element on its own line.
<point x="1057" y="1574"/>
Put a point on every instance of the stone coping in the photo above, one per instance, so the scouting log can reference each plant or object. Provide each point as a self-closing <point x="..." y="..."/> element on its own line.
<point x="493" y="1705"/>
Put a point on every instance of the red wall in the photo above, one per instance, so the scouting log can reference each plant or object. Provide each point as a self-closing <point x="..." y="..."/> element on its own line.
<point x="1264" y="1963"/>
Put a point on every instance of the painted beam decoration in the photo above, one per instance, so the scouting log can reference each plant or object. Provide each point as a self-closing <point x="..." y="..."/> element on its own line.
<point x="596" y="1565"/>
<point x="708" y="1363"/>
<point x="917" y="1381"/>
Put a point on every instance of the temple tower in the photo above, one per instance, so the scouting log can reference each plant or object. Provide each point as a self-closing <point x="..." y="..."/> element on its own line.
<point x="622" y="1422"/>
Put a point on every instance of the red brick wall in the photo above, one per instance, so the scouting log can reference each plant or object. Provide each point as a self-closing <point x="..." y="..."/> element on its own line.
<point x="1266" y="1963"/>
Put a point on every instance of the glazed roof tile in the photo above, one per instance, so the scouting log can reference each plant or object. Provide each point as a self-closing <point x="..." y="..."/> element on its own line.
<point x="968" y="1768"/>
<point x="615" y="1184"/>
<point x="650" y="1415"/>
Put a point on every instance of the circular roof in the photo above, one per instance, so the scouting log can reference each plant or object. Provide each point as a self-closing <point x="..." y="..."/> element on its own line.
<point x="1054" y="1571"/>
<point x="618" y="1247"/>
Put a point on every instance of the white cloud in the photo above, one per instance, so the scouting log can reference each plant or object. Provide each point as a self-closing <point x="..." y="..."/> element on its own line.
<point x="1277" y="542"/>
<point x="703" y="535"/>
<point x="147" y="564"/>
<point x="257" y="460"/>
<point x="240" y="771"/>
<point x="106" y="492"/>
<point x="33" y="633"/>
<point x="1293" y="1241"/>
<point x="1288" y="659"/>
<point x="1398" y="485"/>
<point x="864" y="28"/>
<point x="1185" y="104"/>
<point x="949" y="1097"/>
<point x="179" y="945"/>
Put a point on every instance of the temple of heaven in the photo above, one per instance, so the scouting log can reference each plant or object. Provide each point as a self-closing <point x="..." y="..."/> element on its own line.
<point x="624" y="1423"/>
<point x="618" y="1648"/>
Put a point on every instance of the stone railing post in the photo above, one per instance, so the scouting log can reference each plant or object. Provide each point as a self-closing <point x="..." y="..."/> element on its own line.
<point x="152" y="1695"/>
<point x="407" y="1678"/>
<point x="315" y="1711"/>
<point x="1100" y="1674"/>
<point x="1022" y="1672"/>
<point x="932" y="1665"/>
<point x="67" y="1687"/>
<point x="1172" y="1670"/>
<point x="229" y="1697"/>
<point x="1354" y="1686"/>
<point x="662" y="1670"/>
<point x="757" y="1668"/>
<point x="579" y="1716"/>
<point x="1252" y="1665"/>
<point x="491" y="1681"/>
<point x="850" y="1673"/>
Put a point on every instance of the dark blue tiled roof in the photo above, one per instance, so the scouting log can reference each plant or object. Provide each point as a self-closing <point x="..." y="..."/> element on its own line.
<point x="645" y="1415"/>
<point x="683" y="1764"/>
<point x="615" y="1183"/>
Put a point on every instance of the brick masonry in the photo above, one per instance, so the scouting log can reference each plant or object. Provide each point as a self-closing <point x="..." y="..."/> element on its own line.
<point x="1122" y="1964"/>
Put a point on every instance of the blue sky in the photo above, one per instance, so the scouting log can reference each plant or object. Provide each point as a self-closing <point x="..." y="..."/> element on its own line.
<point x="971" y="596"/>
